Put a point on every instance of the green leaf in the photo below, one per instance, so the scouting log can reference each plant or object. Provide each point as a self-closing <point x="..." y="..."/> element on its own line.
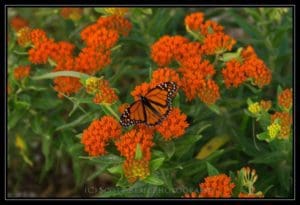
<point x="147" y="11"/>
<point x="17" y="114"/>
<point x="155" y="180"/>
<point x="116" y="169"/>
<point x="264" y="136"/>
<point x="100" y="10"/>
<point x="106" y="159"/>
<point x="215" y="109"/>
<point x="168" y="147"/>
<point x="138" y="152"/>
<point x="269" y="158"/>
<point x="156" y="163"/>
<point x="79" y="121"/>
<point x="211" y="170"/>
<point x="99" y="171"/>
<point x="61" y="74"/>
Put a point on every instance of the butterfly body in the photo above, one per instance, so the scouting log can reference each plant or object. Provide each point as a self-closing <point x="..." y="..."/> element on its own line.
<point x="152" y="108"/>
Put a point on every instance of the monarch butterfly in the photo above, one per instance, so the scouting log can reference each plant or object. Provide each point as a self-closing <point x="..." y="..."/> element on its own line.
<point x="152" y="108"/>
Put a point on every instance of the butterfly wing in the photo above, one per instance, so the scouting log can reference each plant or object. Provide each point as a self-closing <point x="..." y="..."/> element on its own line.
<point x="134" y="114"/>
<point x="158" y="102"/>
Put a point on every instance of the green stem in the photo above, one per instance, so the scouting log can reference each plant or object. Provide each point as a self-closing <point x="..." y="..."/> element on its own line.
<point x="108" y="107"/>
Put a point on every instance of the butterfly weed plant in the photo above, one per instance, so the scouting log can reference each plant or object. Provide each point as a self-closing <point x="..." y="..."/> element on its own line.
<point x="150" y="102"/>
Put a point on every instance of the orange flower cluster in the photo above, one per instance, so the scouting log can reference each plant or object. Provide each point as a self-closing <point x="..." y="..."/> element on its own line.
<point x="211" y="34"/>
<point x="136" y="169"/>
<point x="195" y="21"/>
<point x="105" y="94"/>
<point x="217" y="43"/>
<point x="164" y="75"/>
<point x="218" y="186"/>
<point x="102" y="39"/>
<point x="66" y="85"/>
<point x="265" y="104"/>
<point x="71" y="13"/>
<point x="24" y="37"/>
<point x="116" y="23"/>
<point x="234" y="74"/>
<point x="97" y="135"/>
<point x="167" y="49"/>
<point x="18" y="22"/>
<point x="251" y="67"/>
<point x="194" y="73"/>
<point x="173" y="126"/>
<point x="21" y="72"/>
<point x="127" y="145"/>
<point x="285" y="121"/>
<point x="90" y="60"/>
<point x="129" y="141"/>
<point x="285" y="99"/>
<point x="209" y="93"/>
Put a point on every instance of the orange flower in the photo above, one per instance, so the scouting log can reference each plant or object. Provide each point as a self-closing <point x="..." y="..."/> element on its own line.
<point x="286" y="121"/>
<point x="164" y="75"/>
<point x="194" y="20"/>
<point x="61" y="50"/>
<point x="285" y="98"/>
<point x="141" y="90"/>
<point x="21" y="72"/>
<point x="115" y="22"/>
<point x="258" y="72"/>
<point x="217" y="43"/>
<point x="188" y="51"/>
<point x="210" y="27"/>
<point x="136" y="169"/>
<point x="90" y="60"/>
<point x="71" y="13"/>
<point x="66" y="85"/>
<point x="24" y="37"/>
<point x="105" y="93"/>
<point x="122" y="107"/>
<point x="194" y="75"/>
<point x="252" y="195"/>
<point x="248" y="53"/>
<point x="38" y="36"/>
<point x="234" y="74"/>
<point x="173" y="126"/>
<point x="40" y="54"/>
<point x="209" y="93"/>
<point x="102" y="39"/>
<point x="128" y="143"/>
<point x="265" y="104"/>
<point x="18" y="22"/>
<point x="88" y="31"/>
<point x="166" y="48"/>
<point x="96" y="136"/>
<point x="218" y="186"/>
